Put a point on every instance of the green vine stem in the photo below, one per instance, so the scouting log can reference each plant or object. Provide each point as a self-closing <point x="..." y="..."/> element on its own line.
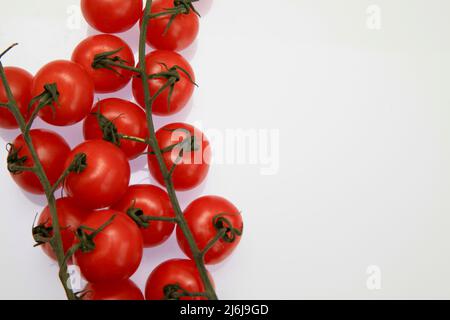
<point x="55" y="241"/>
<point x="153" y="142"/>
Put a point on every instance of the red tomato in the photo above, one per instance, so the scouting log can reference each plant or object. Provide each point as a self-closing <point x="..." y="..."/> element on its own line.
<point x="200" y="216"/>
<point x="183" y="89"/>
<point x="181" y="33"/>
<point x="193" y="167"/>
<point x="105" y="178"/>
<point x="105" y="80"/>
<point x="111" y="16"/>
<point x="20" y="82"/>
<point x="118" y="248"/>
<point x="123" y="290"/>
<point x="52" y="151"/>
<point x="128" y="118"/>
<point x="76" y="92"/>
<point x="153" y="201"/>
<point x="70" y="217"/>
<point x="182" y="273"/>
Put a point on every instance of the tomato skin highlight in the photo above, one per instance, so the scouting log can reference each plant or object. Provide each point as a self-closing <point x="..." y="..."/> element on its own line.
<point x="111" y="16"/>
<point x="76" y="92"/>
<point x="194" y="166"/>
<point x="105" y="81"/>
<point x="118" y="248"/>
<point x="174" y="272"/>
<point x="181" y="34"/>
<point x="52" y="151"/>
<point x="20" y="82"/>
<point x="199" y="216"/>
<point x="153" y="201"/>
<point x="122" y="290"/>
<point x="105" y="178"/>
<point x="70" y="217"/>
<point x="128" y="118"/>
<point x="182" y="92"/>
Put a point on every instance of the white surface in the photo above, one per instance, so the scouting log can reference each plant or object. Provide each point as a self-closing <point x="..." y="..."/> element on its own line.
<point x="364" y="145"/>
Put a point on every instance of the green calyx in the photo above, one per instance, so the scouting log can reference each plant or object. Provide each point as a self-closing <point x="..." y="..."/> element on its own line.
<point x="172" y="75"/>
<point x="222" y="224"/>
<point x="42" y="234"/>
<point x="137" y="215"/>
<point x="79" y="163"/>
<point x="176" y="292"/>
<point x="86" y="240"/>
<point x="108" y="128"/>
<point x="105" y="60"/>
<point x="48" y="97"/>
<point x="14" y="160"/>
<point x="179" y="7"/>
<point x="186" y="145"/>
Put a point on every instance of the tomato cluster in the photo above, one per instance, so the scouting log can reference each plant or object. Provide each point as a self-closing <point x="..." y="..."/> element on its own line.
<point x="106" y="221"/>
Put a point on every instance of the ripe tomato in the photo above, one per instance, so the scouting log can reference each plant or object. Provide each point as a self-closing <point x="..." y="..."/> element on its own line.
<point x="123" y="290"/>
<point x="20" y="83"/>
<point x="153" y="201"/>
<point x="70" y="217"/>
<point x="176" y="272"/>
<point x="181" y="33"/>
<point x="52" y="151"/>
<point x="111" y="16"/>
<point x="128" y="118"/>
<point x="105" y="80"/>
<point x="76" y="92"/>
<point x="118" y="248"/>
<point x="105" y="178"/>
<point x="193" y="167"/>
<point x="183" y="89"/>
<point x="201" y="217"/>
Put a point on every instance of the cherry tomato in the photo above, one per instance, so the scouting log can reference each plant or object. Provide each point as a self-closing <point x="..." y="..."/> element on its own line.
<point x="70" y="217"/>
<point x="153" y="201"/>
<point x="105" y="177"/>
<point x="181" y="33"/>
<point x="52" y="151"/>
<point x="111" y="16"/>
<point x="176" y="272"/>
<point x="105" y="80"/>
<point x="156" y="62"/>
<point x="123" y="290"/>
<point x="192" y="168"/>
<point x="128" y="118"/>
<point x="118" y="248"/>
<point x="76" y="92"/>
<point x="205" y="217"/>
<point x="20" y="82"/>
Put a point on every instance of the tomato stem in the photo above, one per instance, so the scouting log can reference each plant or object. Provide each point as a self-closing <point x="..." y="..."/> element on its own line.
<point x="153" y="142"/>
<point x="56" y="241"/>
<point x="220" y="234"/>
<point x="78" y="165"/>
<point x="180" y="7"/>
<point x="47" y="98"/>
<point x="143" y="221"/>
<point x="131" y="138"/>
<point x="122" y="65"/>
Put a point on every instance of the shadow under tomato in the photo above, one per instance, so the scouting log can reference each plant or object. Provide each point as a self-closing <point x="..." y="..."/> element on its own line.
<point x="204" y="6"/>
<point x="40" y="200"/>
<point x="189" y="52"/>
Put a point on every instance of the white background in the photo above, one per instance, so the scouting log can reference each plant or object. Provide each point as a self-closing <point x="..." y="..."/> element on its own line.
<point x="363" y="152"/>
